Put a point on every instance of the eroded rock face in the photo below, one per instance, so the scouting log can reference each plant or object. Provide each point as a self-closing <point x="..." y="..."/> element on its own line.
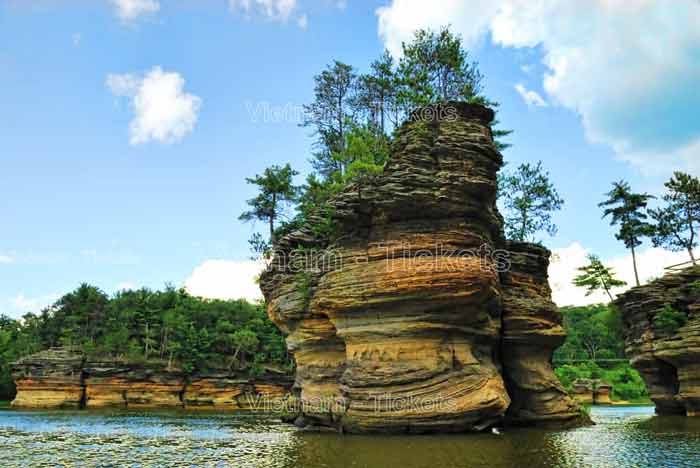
<point x="532" y="330"/>
<point x="120" y="384"/>
<point x="60" y="378"/>
<point x="668" y="358"/>
<point x="49" y="379"/>
<point x="396" y="326"/>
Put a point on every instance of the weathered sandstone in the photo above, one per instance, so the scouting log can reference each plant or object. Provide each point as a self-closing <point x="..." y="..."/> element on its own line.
<point x="668" y="360"/>
<point x="397" y="322"/>
<point x="592" y="392"/>
<point x="532" y="330"/>
<point x="50" y="379"/>
<point x="60" y="378"/>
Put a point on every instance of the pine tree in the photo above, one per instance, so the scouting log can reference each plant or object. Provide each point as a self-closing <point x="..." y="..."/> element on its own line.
<point x="595" y="276"/>
<point x="626" y="209"/>
<point x="676" y="224"/>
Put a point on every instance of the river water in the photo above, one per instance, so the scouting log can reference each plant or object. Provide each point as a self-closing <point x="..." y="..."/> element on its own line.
<point x="623" y="437"/>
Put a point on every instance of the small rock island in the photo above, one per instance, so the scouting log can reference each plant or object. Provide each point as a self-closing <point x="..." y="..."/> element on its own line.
<point x="416" y="314"/>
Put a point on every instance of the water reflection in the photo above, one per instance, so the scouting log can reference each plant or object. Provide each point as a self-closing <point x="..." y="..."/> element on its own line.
<point x="623" y="437"/>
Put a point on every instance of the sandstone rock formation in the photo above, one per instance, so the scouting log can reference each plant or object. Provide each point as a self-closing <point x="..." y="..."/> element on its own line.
<point x="60" y="378"/>
<point x="668" y="359"/>
<point x="592" y="392"/>
<point x="50" y="379"/>
<point x="120" y="384"/>
<point x="407" y="318"/>
<point x="531" y="331"/>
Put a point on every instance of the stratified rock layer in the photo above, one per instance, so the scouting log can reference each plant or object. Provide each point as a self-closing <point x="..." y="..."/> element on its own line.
<point x="396" y="324"/>
<point x="532" y="330"/>
<point x="668" y="360"/>
<point x="50" y="379"/>
<point x="60" y="378"/>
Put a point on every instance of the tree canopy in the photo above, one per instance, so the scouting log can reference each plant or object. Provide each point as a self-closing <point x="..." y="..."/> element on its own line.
<point x="596" y="276"/>
<point x="676" y="223"/>
<point x="169" y="326"/>
<point x="627" y="210"/>
<point x="529" y="199"/>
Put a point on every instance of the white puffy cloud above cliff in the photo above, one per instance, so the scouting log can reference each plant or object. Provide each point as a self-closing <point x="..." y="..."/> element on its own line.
<point x="629" y="68"/>
<point x="163" y="111"/>
<point x="226" y="279"/>
<point x="130" y="10"/>
<point x="651" y="263"/>
<point x="276" y="10"/>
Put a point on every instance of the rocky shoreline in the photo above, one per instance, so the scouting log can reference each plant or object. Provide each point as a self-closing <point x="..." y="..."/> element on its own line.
<point x="63" y="378"/>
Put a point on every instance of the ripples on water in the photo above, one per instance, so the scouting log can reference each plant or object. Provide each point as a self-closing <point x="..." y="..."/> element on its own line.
<point x="623" y="437"/>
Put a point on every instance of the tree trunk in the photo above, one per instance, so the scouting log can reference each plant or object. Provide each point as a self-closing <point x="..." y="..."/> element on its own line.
<point x="609" y="295"/>
<point x="692" y="257"/>
<point x="272" y="218"/>
<point x="634" y="264"/>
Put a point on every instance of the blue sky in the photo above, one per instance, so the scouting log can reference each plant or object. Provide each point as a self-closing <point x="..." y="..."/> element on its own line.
<point x="90" y="193"/>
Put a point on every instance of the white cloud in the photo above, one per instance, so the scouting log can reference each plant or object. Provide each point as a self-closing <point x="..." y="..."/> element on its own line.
<point x="224" y="279"/>
<point x="565" y="262"/>
<point x="303" y="22"/>
<point x="276" y="10"/>
<point x="77" y="39"/>
<point x="22" y="304"/>
<point x="6" y="259"/>
<point x="530" y="97"/>
<point x="129" y="10"/>
<point x="125" y="286"/>
<point x="629" y="68"/>
<point x="164" y="112"/>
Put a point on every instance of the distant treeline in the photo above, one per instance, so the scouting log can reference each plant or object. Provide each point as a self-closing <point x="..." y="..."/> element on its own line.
<point x="169" y="326"/>
<point x="594" y="349"/>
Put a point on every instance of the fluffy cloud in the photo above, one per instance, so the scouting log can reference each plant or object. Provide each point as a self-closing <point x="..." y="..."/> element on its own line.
<point x="224" y="279"/>
<point x="565" y="262"/>
<point x="129" y="10"/>
<point x="6" y="259"/>
<point x="530" y="97"/>
<point x="276" y="10"/>
<point x="22" y="304"/>
<point x="164" y="112"/>
<point x="629" y="68"/>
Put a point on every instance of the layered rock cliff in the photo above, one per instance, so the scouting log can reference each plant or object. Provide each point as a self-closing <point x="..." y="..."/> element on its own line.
<point x="662" y="339"/>
<point x="61" y="378"/>
<point x="408" y="318"/>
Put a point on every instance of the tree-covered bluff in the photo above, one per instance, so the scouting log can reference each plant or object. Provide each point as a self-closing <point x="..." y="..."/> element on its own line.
<point x="168" y="328"/>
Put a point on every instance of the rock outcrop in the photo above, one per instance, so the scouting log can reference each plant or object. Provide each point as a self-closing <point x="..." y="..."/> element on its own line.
<point x="662" y="339"/>
<point x="592" y="392"/>
<point x="531" y="331"/>
<point x="407" y="316"/>
<point x="49" y="379"/>
<point x="61" y="378"/>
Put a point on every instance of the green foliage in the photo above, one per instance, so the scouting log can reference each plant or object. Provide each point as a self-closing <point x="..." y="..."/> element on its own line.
<point x="276" y="190"/>
<point x="676" y="223"/>
<point x="596" y="276"/>
<point x="592" y="332"/>
<point x="626" y="382"/>
<point x="169" y="327"/>
<point x="529" y="198"/>
<point x="626" y="210"/>
<point x="668" y="320"/>
<point x="596" y="333"/>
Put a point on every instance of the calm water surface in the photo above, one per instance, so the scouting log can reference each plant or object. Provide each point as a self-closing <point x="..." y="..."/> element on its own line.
<point x="623" y="437"/>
